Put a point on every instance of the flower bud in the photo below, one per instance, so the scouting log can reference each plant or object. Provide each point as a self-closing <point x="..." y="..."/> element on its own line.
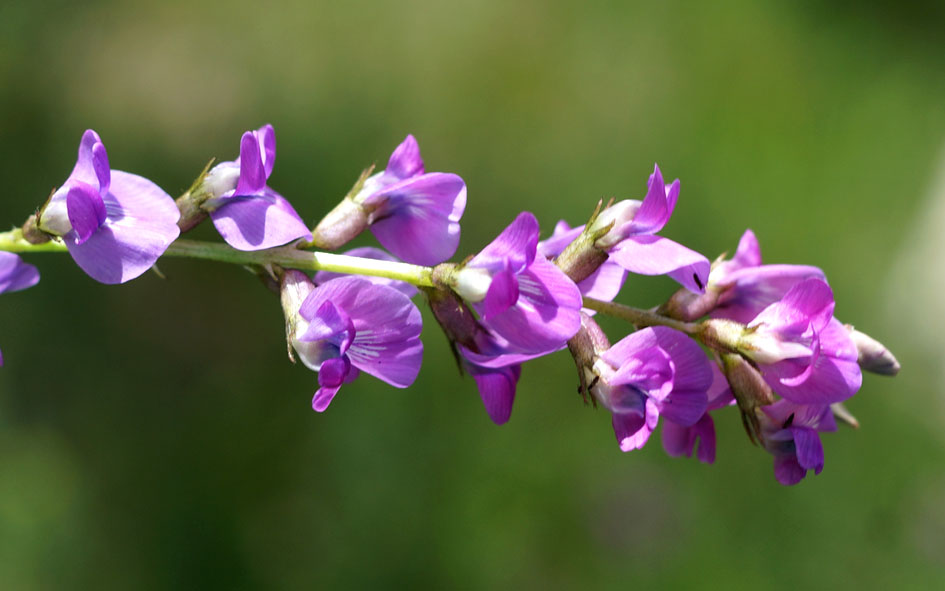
<point x="296" y="286"/>
<point x="612" y="220"/>
<point x="454" y="317"/>
<point x="750" y="389"/>
<point x="585" y="346"/>
<point x="872" y="355"/>
<point x="341" y="225"/>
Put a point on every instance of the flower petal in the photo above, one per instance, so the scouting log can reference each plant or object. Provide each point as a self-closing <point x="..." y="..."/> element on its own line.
<point x="405" y="161"/>
<point x="546" y="314"/>
<point x="497" y="389"/>
<point x="15" y="274"/>
<point x="518" y="244"/>
<point x="787" y="470"/>
<point x="252" y="170"/>
<point x="657" y="206"/>
<point x="141" y="222"/>
<point x="260" y="221"/>
<point x="418" y="219"/>
<point x="654" y="255"/>
<point x="86" y="210"/>
<point x="810" y="452"/>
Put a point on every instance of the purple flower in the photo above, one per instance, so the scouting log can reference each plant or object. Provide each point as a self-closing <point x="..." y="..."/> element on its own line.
<point x="496" y="366"/>
<point x="603" y="284"/>
<point x="369" y="252"/>
<point x="15" y="275"/>
<point x="632" y="242"/>
<point x="247" y="213"/>
<point x="652" y="372"/>
<point x="680" y="440"/>
<point x="115" y="224"/>
<point x="744" y="287"/>
<point x="523" y="298"/>
<point x="790" y="433"/>
<point x="804" y="354"/>
<point x="412" y="214"/>
<point x="349" y="325"/>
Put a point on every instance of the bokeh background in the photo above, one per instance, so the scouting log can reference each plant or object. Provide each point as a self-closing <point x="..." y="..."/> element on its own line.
<point x="155" y="436"/>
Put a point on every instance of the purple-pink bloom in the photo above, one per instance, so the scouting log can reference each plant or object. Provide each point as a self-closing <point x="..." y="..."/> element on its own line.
<point x="369" y="252"/>
<point x="681" y="440"/>
<point x="651" y="373"/>
<point x="523" y="298"/>
<point x="348" y="325"/>
<point x="745" y="286"/>
<point x="414" y="214"/>
<point x="603" y="284"/>
<point x="803" y="352"/>
<point x="15" y="275"/>
<point x="633" y="244"/>
<point x="790" y="433"/>
<point x="248" y="214"/>
<point x="115" y="224"/>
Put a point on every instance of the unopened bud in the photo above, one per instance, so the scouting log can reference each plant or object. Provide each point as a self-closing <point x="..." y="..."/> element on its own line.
<point x="585" y="346"/>
<point x="843" y="415"/>
<point x="295" y="287"/>
<point x="872" y="355"/>
<point x="615" y="218"/>
<point x="457" y="321"/>
<point x="340" y="226"/>
<point x="750" y="389"/>
<point x="688" y="306"/>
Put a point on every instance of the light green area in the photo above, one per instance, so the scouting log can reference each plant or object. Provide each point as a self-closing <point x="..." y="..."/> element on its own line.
<point x="155" y="436"/>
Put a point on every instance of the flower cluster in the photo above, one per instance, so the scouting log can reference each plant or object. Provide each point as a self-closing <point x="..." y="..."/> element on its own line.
<point x="762" y="337"/>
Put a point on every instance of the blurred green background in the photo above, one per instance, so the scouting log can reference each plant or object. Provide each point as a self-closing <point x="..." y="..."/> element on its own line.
<point x="154" y="435"/>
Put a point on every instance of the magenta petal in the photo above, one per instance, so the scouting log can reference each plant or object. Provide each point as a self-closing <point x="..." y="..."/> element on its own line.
<point x="683" y="407"/>
<point x="260" y="221"/>
<point x="266" y="136"/>
<point x="418" y="219"/>
<point x="323" y="397"/>
<point x="750" y="290"/>
<point x="604" y="284"/>
<point x="497" y="390"/>
<point x="252" y="171"/>
<point x="86" y="210"/>
<point x="692" y="368"/>
<point x="405" y="161"/>
<point x="835" y="341"/>
<point x="387" y="327"/>
<point x="650" y="370"/>
<point x="86" y="170"/>
<point x="748" y="253"/>
<point x="830" y="380"/>
<point x="787" y="470"/>
<point x="518" y="243"/>
<point x="15" y="274"/>
<point x="547" y="313"/>
<point x="656" y="208"/>
<point x="397" y="363"/>
<point x="813" y="299"/>
<point x="638" y="439"/>
<point x="102" y="169"/>
<point x="681" y="441"/>
<point x="810" y="452"/>
<point x="141" y="223"/>
<point x="333" y="372"/>
<point x="329" y="323"/>
<point x="369" y="252"/>
<point x="654" y="255"/>
<point x="626" y="425"/>
<point x="502" y="294"/>
<point x="560" y="238"/>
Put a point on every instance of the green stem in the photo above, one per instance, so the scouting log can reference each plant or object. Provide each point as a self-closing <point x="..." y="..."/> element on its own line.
<point x="288" y="257"/>
<point x="639" y="317"/>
